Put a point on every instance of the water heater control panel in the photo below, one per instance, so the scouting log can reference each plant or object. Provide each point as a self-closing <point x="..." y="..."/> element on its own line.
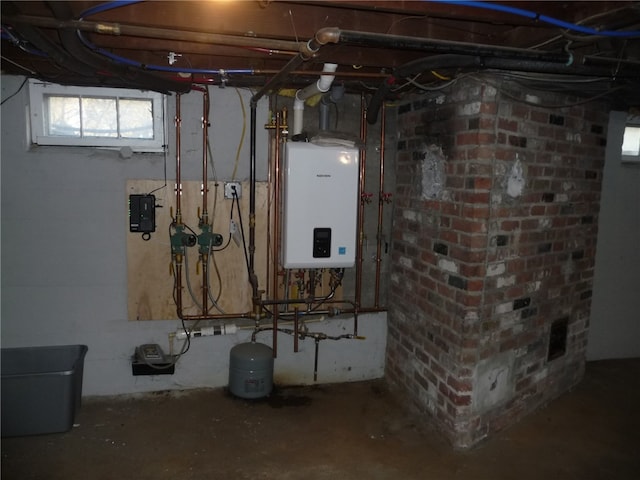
<point x="321" y="243"/>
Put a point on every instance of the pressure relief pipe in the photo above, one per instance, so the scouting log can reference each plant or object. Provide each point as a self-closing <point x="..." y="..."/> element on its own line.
<point x="321" y="86"/>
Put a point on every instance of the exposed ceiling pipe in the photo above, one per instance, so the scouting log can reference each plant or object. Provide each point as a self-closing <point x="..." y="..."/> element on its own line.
<point x="382" y="40"/>
<point x="129" y="76"/>
<point x="321" y="86"/>
<point x="480" y="63"/>
<point x="117" y="29"/>
<point x="322" y="37"/>
<point x="45" y="45"/>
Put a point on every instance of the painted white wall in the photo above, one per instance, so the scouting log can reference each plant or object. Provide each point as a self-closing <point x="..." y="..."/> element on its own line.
<point x="64" y="277"/>
<point x="615" y="313"/>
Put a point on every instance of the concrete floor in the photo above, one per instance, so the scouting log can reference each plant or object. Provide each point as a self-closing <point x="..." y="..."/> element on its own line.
<point x="346" y="431"/>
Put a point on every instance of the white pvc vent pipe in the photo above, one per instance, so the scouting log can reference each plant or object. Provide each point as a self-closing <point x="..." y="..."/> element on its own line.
<point x="321" y="86"/>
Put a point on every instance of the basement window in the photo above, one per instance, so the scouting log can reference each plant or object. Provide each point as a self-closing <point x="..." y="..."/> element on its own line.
<point x="631" y="143"/>
<point x="96" y="117"/>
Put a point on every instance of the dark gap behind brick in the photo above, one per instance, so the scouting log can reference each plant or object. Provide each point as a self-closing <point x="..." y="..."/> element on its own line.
<point x="558" y="338"/>
<point x="545" y="247"/>
<point x="457" y="282"/>
<point x="521" y="303"/>
<point x="502" y="240"/>
<point x="441" y="248"/>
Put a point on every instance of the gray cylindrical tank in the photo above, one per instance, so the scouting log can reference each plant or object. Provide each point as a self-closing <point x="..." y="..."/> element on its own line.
<point x="251" y="370"/>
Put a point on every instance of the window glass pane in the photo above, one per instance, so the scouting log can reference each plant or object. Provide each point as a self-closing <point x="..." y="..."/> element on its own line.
<point x="631" y="141"/>
<point x="63" y="116"/>
<point x="99" y="117"/>
<point x="96" y="117"/>
<point x="136" y="118"/>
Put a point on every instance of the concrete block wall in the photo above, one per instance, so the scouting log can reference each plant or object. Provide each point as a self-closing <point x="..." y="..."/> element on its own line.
<point x="495" y="226"/>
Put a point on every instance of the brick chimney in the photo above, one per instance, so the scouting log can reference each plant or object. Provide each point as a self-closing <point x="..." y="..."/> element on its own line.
<point x="495" y="226"/>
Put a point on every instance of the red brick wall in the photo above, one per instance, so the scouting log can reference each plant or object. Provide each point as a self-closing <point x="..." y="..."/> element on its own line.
<point x="482" y="269"/>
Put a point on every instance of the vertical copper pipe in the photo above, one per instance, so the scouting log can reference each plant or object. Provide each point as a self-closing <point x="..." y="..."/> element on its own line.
<point x="270" y="193"/>
<point x="178" y="179"/>
<point x="276" y="229"/>
<point x="361" y="185"/>
<point x="204" y="219"/>
<point x="178" y="257"/>
<point x="205" y="143"/>
<point x="253" y="279"/>
<point x="381" y="201"/>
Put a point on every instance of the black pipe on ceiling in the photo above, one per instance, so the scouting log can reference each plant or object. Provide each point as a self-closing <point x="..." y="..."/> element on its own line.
<point x="422" y="44"/>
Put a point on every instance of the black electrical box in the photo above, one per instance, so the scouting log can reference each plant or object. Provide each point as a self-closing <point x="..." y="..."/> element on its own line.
<point x="142" y="213"/>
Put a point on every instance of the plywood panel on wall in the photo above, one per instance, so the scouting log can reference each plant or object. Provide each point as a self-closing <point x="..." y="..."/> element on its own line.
<point x="150" y="280"/>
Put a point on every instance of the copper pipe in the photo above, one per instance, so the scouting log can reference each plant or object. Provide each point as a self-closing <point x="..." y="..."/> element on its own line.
<point x="204" y="219"/>
<point x="330" y="313"/>
<point x="276" y="203"/>
<point x="268" y="259"/>
<point x="381" y="201"/>
<point x="219" y="316"/>
<point x="205" y="142"/>
<point x="360" y="229"/>
<point x="178" y="179"/>
<point x="276" y="227"/>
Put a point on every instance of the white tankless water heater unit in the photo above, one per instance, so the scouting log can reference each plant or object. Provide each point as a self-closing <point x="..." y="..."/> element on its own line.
<point x="320" y="205"/>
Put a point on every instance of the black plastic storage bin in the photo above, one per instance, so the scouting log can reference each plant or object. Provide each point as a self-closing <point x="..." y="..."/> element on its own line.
<point x="41" y="389"/>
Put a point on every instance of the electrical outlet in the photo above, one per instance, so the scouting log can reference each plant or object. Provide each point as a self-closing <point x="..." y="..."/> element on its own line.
<point x="232" y="187"/>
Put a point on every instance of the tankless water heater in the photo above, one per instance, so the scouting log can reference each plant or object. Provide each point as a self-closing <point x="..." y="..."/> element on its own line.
<point x="320" y="205"/>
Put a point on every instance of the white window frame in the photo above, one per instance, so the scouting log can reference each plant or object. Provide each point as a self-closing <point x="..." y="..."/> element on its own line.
<point x="38" y="89"/>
